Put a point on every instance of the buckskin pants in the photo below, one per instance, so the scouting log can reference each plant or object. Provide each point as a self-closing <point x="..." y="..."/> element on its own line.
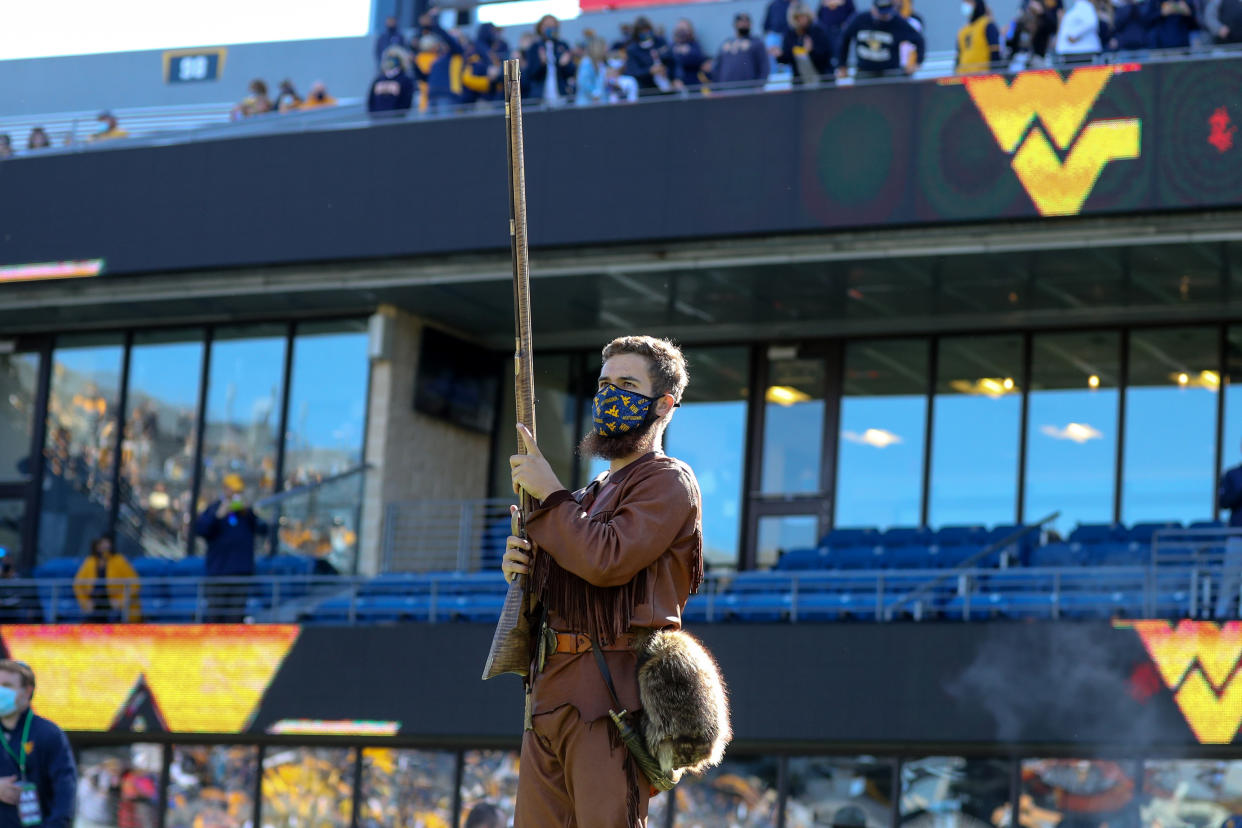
<point x="572" y="777"/>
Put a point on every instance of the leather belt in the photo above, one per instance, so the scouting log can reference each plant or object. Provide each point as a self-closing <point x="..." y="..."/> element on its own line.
<point x="574" y="643"/>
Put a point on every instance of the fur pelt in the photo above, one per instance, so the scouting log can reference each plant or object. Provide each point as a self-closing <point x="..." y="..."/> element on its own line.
<point x="685" y="704"/>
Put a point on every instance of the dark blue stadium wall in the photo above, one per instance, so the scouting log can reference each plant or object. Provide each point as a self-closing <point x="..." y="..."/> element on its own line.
<point x="893" y="154"/>
<point x="866" y="687"/>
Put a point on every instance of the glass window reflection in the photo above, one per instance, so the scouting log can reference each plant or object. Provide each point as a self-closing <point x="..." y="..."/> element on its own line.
<point x="308" y="787"/>
<point x="1170" y="445"/>
<point x="119" y="786"/>
<point x="709" y="433"/>
<point x="1199" y="792"/>
<point x="1072" y="424"/>
<point x="244" y="392"/>
<point x="839" y="790"/>
<point x="489" y="777"/>
<point x="157" y="455"/>
<point x="211" y="786"/>
<point x="883" y="422"/>
<point x="81" y="441"/>
<point x="779" y="534"/>
<point x="407" y="788"/>
<point x="19" y="377"/>
<point x="793" y="426"/>
<point x="976" y="412"/>
<point x="742" y="792"/>
<point x="942" y="790"/>
<point x="1082" y="793"/>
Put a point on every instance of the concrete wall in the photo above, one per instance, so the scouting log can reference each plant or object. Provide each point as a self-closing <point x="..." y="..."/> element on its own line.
<point x="412" y="456"/>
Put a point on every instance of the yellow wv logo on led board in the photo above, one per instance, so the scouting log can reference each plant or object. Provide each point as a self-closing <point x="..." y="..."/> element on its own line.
<point x="1198" y="661"/>
<point x="1040" y="114"/>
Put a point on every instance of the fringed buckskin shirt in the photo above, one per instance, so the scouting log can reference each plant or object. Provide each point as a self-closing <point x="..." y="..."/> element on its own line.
<point x="624" y="552"/>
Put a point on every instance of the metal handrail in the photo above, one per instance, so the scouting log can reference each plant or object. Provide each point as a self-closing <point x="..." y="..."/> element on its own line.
<point x="308" y="488"/>
<point x="969" y="562"/>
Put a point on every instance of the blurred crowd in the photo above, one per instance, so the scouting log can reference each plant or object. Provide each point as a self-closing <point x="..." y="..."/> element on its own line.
<point x="38" y="138"/>
<point x="259" y="102"/>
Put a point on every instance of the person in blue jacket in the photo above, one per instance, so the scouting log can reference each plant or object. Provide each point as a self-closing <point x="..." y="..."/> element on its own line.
<point x="877" y="35"/>
<point x="1229" y="496"/>
<point x="230" y="527"/>
<point x="38" y="779"/>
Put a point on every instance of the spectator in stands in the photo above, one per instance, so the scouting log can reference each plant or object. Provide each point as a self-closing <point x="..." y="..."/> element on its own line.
<point x="1172" y="23"/>
<point x="111" y="128"/>
<point x="100" y="585"/>
<point x="876" y="36"/>
<point x="256" y="103"/>
<point x="389" y="37"/>
<point x="550" y="62"/>
<point x="288" y="99"/>
<point x="1131" y="28"/>
<point x="978" y="42"/>
<point x="36" y="755"/>
<point x="775" y="23"/>
<point x="485" y="815"/>
<point x="1031" y="33"/>
<point x="834" y="16"/>
<point x="1078" y="36"/>
<point x="645" y="54"/>
<point x="318" y="97"/>
<point x="591" y="83"/>
<point x="230" y="527"/>
<point x="742" y="58"/>
<point x="1223" y="20"/>
<point x="1229" y="496"/>
<point x="19" y="604"/>
<point x="483" y="74"/>
<point x="806" y="47"/>
<point x="37" y="139"/>
<point x="6" y="146"/>
<point x="393" y="91"/>
<point x="438" y="64"/>
<point x="620" y="86"/>
<point x="687" y="56"/>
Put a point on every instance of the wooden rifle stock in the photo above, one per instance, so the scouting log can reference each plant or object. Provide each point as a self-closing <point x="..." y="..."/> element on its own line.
<point x="510" y="651"/>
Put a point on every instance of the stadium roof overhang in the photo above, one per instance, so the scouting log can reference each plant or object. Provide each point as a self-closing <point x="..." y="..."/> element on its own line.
<point x="1078" y="272"/>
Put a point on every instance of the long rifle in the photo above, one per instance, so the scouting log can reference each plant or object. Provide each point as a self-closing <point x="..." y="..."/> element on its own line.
<point x="510" y="652"/>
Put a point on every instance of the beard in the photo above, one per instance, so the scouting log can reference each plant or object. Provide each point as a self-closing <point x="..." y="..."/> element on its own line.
<point x="613" y="448"/>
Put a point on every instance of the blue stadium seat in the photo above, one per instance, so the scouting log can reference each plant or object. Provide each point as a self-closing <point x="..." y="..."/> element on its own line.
<point x="910" y="557"/>
<point x="1207" y="524"/>
<point x="949" y="557"/>
<point x="856" y="557"/>
<point x="1096" y="533"/>
<point x="961" y="536"/>
<point x="1057" y="554"/>
<point x="1117" y="554"/>
<point x="906" y="536"/>
<point x="492" y="544"/>
<point x="1144" y="532"/>
<point x="796" y="559"/>
<point x="850" y="538"/>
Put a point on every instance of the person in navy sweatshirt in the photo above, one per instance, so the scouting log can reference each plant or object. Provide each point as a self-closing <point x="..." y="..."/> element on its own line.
<point x="393" y="91"/>
<point x="742" y="58"/>
<point x="1131" y="27"/>
<point x="806" y="46"/>
<point x="38" y="779"/>
<point x="230" y="527"/>
<point x="1229" y="496"/>
<point x="834" y="16"/>
<point x="876" y="36"/>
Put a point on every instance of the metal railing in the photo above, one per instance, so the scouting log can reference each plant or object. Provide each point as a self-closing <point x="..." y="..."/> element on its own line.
<point x="1206" y="553"/>
<point x="767" y="596"/>
<point x="321" y="519"/>
<point x="433" y="535"/>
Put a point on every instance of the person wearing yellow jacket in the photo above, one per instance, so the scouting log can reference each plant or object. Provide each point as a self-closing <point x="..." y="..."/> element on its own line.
<point x="978" y="42"/>
<point x="98" y="589"/>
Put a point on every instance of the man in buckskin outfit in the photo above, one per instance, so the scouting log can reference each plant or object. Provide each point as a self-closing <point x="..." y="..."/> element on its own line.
<point x="617" y="557"/>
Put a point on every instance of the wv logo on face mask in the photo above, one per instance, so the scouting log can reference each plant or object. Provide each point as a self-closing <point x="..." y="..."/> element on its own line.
<point x="1057" y="174"/>
<point x="1198" y="661"/>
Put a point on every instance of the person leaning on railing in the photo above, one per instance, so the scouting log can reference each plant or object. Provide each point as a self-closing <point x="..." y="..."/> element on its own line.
<point x="106" y="585"/>
<point x="230" y="527"/>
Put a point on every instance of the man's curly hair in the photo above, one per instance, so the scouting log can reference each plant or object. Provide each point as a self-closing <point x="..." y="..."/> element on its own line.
<point x="666" y="364"/>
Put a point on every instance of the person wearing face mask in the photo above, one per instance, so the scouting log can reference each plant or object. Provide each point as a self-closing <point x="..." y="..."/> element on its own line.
<point x="549" y="63"/>
<point x="687" y="56"/>
<point x="644" y="52"/>
<point x="230" y="527"/>
<point x="877" y="36"/>
<point x="742" y="58"/>
<point x="38" y="780"/>
<point x="618" y="86"/>
<point x="609" y="562"/>
<point x="806" y="47"/>
<point x="393" y="91"/>
<point x="978" y="42"/>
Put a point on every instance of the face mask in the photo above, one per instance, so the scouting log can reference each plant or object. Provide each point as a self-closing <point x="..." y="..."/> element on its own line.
<point x="8" y="701"/>
<point x="615" y="63"/>
<point x="968" y="10"/>
<point x="743" y="31"/>
<point x="550" y="32"/>
<point x="619" y="412"/>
